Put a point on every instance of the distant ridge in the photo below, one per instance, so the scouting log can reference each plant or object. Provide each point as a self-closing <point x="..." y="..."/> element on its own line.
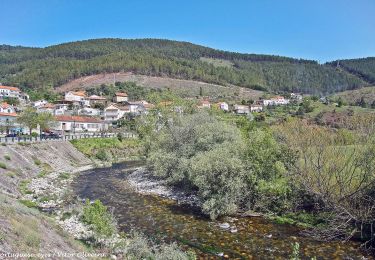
<point x="38" y="68"/>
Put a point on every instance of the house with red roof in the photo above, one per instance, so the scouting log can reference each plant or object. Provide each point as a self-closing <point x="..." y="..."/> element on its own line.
<point x="79" y="124"/>
<point x="12" y="92"/>
<point x="6" y="108"/>
<point x="120" y="97"/>
<point x="204" y="104"/>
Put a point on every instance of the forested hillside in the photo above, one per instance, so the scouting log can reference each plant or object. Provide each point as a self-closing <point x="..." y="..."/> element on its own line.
<point x="38" y="68"/>
<point x="363" y="68"/>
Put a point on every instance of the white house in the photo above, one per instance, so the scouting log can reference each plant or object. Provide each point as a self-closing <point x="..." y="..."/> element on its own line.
<point x="13" y="92"/>
<point x="78" y="124"/>
<point x="138" y="107"/>
<point x="120" y="97"/>
<point x="6" y="108"/>
<point x="204" y="104"/>
<point x="256" y="108"/>
<point x="39" y="103"/>
<point x="275" y="101"/>
<point x="223" y="106"/>
<point x="75" y="96"/>
<point x="114" y="112"/>
<point x="47" y="108"/>
<point x="88" y="111"/>
<point x="296" y="96"/>
<point x="241" y="109"/>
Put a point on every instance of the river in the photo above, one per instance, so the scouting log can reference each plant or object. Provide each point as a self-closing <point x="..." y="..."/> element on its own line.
<point x="163" y="219"/>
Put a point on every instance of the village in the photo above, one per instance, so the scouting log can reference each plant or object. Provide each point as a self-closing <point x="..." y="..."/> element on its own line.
<point x="76" y="112"/>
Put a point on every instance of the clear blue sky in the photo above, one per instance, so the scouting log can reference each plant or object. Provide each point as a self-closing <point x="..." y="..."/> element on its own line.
<point x="315" y="29"/>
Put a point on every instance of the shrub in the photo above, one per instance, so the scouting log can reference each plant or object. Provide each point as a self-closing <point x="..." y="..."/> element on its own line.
<point x="64" y="175"/>
<point x="7" y="157"/>
<point x="102" y="155"/>
<point x="97" y="215"/>
<point x="23" y="187"/>
<point x="37" y="161"/>
<point x="42" y="174"/>
<point x="3" y="165"/>
<point x="28" y="203"/>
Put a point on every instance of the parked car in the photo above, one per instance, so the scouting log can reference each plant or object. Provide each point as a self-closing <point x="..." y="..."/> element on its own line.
<point x="11" y="135"/>
<point x="50" y="135"/>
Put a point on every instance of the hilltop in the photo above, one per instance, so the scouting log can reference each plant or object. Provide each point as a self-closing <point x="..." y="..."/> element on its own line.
<point x="53" y="66"/>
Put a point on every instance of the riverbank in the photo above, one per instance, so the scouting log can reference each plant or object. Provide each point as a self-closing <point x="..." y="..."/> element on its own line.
<point x="37" y="207"/>
<point x="24" y="229"/>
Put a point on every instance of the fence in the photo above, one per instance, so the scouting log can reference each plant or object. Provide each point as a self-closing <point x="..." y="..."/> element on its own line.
<point x="28" y="139"/>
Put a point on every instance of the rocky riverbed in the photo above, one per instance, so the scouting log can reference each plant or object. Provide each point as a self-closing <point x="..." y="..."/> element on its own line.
<point x="145" y="183"/>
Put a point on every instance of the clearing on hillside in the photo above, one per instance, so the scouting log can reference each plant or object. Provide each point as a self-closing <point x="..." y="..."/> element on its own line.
<point x="184" y="88"/>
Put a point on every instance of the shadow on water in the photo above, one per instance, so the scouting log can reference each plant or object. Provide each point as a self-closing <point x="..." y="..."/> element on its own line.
<point x="164" y="219"/>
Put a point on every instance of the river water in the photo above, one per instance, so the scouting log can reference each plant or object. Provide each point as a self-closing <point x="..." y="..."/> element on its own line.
<point x="163" y="219"/>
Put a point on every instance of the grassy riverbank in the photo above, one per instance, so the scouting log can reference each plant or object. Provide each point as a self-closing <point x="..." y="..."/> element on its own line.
<point x="109" y="149"/>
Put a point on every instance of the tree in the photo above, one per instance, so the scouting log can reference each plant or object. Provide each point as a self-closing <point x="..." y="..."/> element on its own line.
<point x="362" y="102"/>
<point x="29" y="118"/>
<point x="197" y="152"/>
<point x="340" y="102"/>
<point x="45" y="121"/>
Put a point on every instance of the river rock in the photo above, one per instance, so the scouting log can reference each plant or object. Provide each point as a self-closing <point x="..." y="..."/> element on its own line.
<point x="233" y="230"/>
<point x="224" y="225"/>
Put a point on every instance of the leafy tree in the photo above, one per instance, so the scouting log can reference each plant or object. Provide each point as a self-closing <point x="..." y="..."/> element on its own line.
<point x="45" y="121"/>
<point x="29" y="118"/>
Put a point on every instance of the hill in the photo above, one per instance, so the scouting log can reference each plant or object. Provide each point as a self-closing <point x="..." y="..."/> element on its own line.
<point x="355" y="97"/>
<point x="38" y="68"/>
<point x="363" y="68"/>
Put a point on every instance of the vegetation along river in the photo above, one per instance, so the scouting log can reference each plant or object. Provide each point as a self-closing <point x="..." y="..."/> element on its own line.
<point x="163" y="219"/>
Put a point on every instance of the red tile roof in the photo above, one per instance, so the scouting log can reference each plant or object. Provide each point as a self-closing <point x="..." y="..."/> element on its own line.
<point x="10" y="88"/>
<point x="121" y="94"/>
<point x="4" y="105"/>
<point x="95" y="97"/>
<point x="83" y="119"/>
<point x="79" y="93"/>
<point x="8" y="114"/>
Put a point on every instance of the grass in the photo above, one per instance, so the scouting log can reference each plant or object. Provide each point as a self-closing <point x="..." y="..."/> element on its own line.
<point x="29" y="203"/>
<point x="3" y="165"/>
<point x="23" y="187"/>
<point x="64" y="176"/>
<point x="37" y="162"/>
<point x="27" y="231"/>
<point x="108" y="148"/>
<point x="11" y="175"/>
<point x="42" y="174"/>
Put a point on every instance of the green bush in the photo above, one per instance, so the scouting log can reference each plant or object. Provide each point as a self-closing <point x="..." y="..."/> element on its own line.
<point x="102" y="155"/>
<point x="3" y="165"/>
<point x="29" y="203"/>
<point x="37" y="162"/>
<point x="64" y="175"/>
<point x="7" y="157"/>
<point x="23" y="187"/>
<point x="97" y="215"/>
